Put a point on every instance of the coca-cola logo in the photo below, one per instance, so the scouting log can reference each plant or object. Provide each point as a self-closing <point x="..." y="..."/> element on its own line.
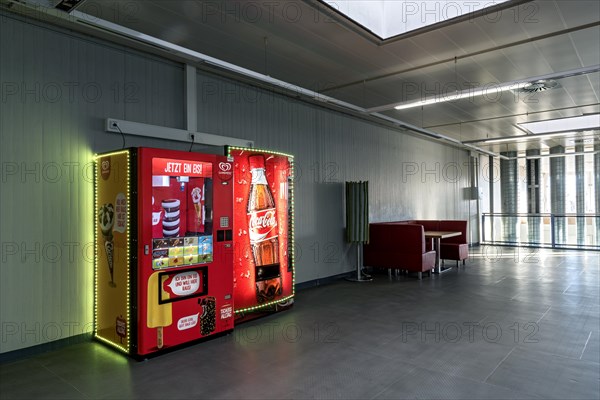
<point x="225" y="173"/>
<point x="261" y="225"/>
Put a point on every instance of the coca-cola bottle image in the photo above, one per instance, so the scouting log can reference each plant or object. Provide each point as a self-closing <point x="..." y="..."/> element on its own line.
<point x="262" y="229"/>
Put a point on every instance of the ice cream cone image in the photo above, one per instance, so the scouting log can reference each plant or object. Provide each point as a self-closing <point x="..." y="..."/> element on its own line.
<point x="106" y="219"/>
<point x="109" y="250"/>
<point x="196" y="197"/>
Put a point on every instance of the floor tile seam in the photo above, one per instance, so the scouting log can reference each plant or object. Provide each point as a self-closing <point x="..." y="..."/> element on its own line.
<point x="569" y="309"/>
<point x="527" y="393"/>
<point x="566" y="358"/>
<point x="385" y="356"/>
<point x="544" y="314"/>
<point x="485" y="382"/>
<point x="66" y="381"/>
<point x="579" y="295"/>
<point x="526" y="302"/>
<point x="260" y="370"/>
<point x="470" y="332"/>
<point x="413" y="366"/>
<point x="567" y="288"/>
<point x="469" y="379"/>
<point x="585" y="345"/>
<point x="500" y="363"/>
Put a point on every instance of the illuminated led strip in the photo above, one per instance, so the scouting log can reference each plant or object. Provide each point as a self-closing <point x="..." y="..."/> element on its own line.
<point x="113" y="344"/>
<point x="255" y="308"/>
<point x="254" y="149"/>
<point x="291" y="234"/>
<point x="128" y="247"/>
<point x="291" y="238"/>
<point x="97" y="157"/>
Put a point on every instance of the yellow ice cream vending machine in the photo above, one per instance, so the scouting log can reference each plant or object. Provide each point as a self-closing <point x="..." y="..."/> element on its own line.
<point x="163" y="249"/>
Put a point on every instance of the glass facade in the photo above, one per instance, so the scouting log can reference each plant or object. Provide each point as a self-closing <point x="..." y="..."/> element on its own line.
<point x="555" y="204"/>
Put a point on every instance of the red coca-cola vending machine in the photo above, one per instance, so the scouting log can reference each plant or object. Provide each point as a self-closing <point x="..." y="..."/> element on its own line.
<point x="264" y="231"/>
<point x="168" y="219"/>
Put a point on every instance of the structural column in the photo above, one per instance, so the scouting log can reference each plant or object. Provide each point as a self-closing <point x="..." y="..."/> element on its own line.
<point x="580" y="194"/>
<point x="557" y="194"/>
<point x="533" y="196"/>
<point x="597" y="190"/>
<point x="509" y="195"/>
<point x="491" y="195"/>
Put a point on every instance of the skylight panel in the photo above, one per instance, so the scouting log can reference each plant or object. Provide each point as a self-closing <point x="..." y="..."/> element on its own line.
<point x="583" y="122"/>
<point x="388" y="18"/>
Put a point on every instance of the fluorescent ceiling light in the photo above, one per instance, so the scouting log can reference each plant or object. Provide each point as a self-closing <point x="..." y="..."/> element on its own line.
<point x="555" y="155"/>
<point x="488" y="90"/>
<point x="563" y="124"/>
<point x="528" y="137"/>
<point x="387" y="18"/>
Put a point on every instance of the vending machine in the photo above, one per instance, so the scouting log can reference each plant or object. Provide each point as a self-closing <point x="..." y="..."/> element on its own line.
<point x="163" y="248"/>
<point x="263" y="191"/>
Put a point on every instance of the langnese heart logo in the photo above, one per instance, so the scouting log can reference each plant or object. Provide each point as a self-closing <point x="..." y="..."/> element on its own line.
<point x="225" y="172"/>
<point x="105" y="167"/>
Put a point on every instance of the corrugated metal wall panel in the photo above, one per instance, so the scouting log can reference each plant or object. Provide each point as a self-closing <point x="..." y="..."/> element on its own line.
<point x="151" y="91"/>
<point x="65" y="86"/>
<point x="409" y="177"/>
<point x="46" y="285"/>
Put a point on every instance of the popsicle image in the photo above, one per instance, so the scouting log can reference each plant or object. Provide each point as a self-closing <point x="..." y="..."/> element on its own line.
<point x="106" y="219"/>
<point x="196" y="197"/>
<point x="159" y="315"/>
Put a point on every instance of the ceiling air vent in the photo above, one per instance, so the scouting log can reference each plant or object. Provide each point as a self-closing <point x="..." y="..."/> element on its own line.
<point x="588" y="140"/>
<point x="540" y="86"/>
<point x="68" y="5"/>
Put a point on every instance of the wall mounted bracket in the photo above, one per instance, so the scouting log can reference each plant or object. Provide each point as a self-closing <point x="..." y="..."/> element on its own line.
<point x="161" y="132"/>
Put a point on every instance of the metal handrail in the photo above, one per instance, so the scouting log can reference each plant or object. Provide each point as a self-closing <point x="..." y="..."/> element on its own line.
<point x="539" y="215"/>
<point x="553" y="242"/>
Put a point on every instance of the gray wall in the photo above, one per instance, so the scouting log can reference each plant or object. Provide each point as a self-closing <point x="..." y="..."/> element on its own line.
<point x="58" y="87"/>
<point x="409" y="177"/>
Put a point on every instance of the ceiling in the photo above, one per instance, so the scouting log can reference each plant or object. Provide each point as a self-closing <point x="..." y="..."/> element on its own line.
<point x="306" y="43"/>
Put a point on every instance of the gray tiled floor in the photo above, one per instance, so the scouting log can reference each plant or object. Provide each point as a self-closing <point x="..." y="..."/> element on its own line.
<point x="497" y="329"/>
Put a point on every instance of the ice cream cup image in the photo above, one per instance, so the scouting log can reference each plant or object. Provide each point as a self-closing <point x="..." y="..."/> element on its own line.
<point x="171" y="232"/>
<point x="171" y="205"/>
<point x="159" y="315"/>
<point x="171" y="219"/>
<point x="171" y="224"/>
<point x="172" y="215"/>
<point x="106" y="221"/>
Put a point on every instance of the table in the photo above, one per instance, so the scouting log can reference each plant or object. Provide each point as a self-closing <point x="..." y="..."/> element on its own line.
<point x="436" y="237"/>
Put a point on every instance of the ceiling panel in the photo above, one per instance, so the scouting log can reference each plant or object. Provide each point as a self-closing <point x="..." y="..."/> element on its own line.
<point x="578" y="12"/>
<point x="528" y="61"/>
<point x="436" y="45"/>
<point x="559" y="53"/>
<point x="414" y="54"/>
<point x="309" y="49"/>
<point x="540" y="18"/>
<point x="586" y="43"/>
